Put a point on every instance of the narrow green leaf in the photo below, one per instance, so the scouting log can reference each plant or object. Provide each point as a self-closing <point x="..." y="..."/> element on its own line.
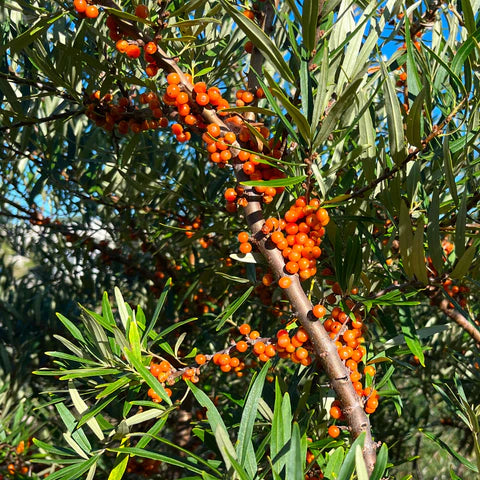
<point x="460" y="225"/>
<point x="349" y="462"/>
<point x="415" y="120"/>
<point x="134" y="339"/>
<point x="279" y="182"/>
<point x="465" y="262"/>
<point x="381" y="463"/>
<point x="122" y="310"/>
<point x="81" y="408"/>
<point x="30" y="35"/>
<point x="298" y="118"/>
<point x="120" y="466"/>
<point x="216" y="423"/>
<point x="309" y="23"/>
<point x="468" y="16"/>
<point x="88" y="372"/>
<point x="168" y="459"/>
<point x="418" y="253"/>
<point x="238" y="468"/>
<point x="406" y="239"/>
<point x="464" y="51"/>
<point x="147" y="376"/>
<point x="447" y="165"/>
<point x="71" y="328"/>
<point x="249" y="415"/>
<point x="294" y="466"/>
<point x="394" y="118"/>
<point x="411" y="337"/>
<point x="281" y="429"/>
<point x="74" y="472"/>
<point x="451" y="451"/>
<point x="258" y="37"/>
<point x="433" y="232"/>
<point x="334" y="463"/>
<point x="360" y="466"/>
<point x="145" y="416"/>
<point x="232" y="308"/>
<point x="330" y="122"/>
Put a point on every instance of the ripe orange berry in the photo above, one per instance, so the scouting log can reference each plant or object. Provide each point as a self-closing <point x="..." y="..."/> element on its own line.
<point x="369" y="370"/>
<point x="335" y="412"/>
<point x="333" y="431"/>
<point x="173" y="78"/>
<point x="244" y="329"/>
<point x="283" y="341"/>
<point x="270" y="351"/>
<point x="80" y="5"/>
<point x="243" y="237"/>
<point x="177" y="129"/>
<point x="155" y="369"/>
<point x="319" y="311"/>
<point x="248" y="47"/>
<point x="230" y="194"/>
<point x="241" y="346"/>
<point x="285" y="282"/>
<point x="254" y="334"/>
<point x="301" y="353"/>
<point x="230" y="137"/>
<point x="133" y="51"/>
<point x="91" y="11"/>
<point x="141" y="11"/>
<point x="259" y="348"/>
<point x="249" y="14"/>
<point x="150" y="48"/>
<point x="247" y="97"/>
<point x="301" y="335"/>
<point x="213" y="129"/>
<point x="182" y="98"/>
<point x="200" y="359"/>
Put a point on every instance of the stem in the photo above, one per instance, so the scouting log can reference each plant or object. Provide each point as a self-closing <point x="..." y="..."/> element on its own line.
<point x="325" y="349"/>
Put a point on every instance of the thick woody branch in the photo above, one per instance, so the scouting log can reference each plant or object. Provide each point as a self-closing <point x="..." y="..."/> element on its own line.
<point x="325" y="349"/>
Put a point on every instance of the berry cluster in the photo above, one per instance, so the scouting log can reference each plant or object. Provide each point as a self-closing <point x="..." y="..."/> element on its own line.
<point x="346" y="332"/>
<point x="304" y="226"/>
<point x="162" y="371"/>
<point x="457" y="292"/>
<point x="85" y="9"/>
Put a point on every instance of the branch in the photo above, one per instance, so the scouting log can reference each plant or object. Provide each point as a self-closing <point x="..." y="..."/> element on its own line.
<point x="322" y="343"/>
<point x="50" y="118"/>
<point x="389" y="173"/>
<point x="443" y="304"/>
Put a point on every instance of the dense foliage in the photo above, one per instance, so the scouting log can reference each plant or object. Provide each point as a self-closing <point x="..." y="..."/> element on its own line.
<point x="171" y="171"/>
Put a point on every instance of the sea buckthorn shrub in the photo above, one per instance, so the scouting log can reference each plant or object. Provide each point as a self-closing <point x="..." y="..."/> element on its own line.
<point x="286" y="196"/>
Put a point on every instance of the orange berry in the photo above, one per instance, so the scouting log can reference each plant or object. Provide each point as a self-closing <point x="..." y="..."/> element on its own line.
<point x="225" y="368"/>
<point x="369" y="370"/>
<point x="150" y="48"/>
<point x="319" y="311"/>
<point x="243" y="237"/>
<point x="259" y="348"/>
<point x="270" y="351"/>
<point x="248" y="47"/>
<point x="254" y="334"/>
<point x="133" y="51"/>
<point x="173" y="78"/>
<point x="333" y="431"/>
<point x="285" y="282"/>
<point x="291" y="267"/>
<point x="242" y="346"/>
<point x="202" y="99"/>
<point x="213" y="129"/>
<point x="301" y="353"/>
<point x="80" y="5"/>
<point x="121" y="45"/>
<point x="200" y="359"/>
<point x="247" y="97"/>
<point x="182" y="98"/>
<point x="249" y="14"/>
<point x="335" y="412"/>
<point x="91" y="11"/>
<point x="141" y="11"/>
<point x="155" y="369"/>
<point x="177" y="129"/>
<point x="230" y="137"/>
<point x="301" y="335"/>
<point x="283" y="340"/>
<point x="244" y="329"/>
<point x="230" y="194"/>
<point x="245" y="247"/>
<point x="151" y="70"/>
